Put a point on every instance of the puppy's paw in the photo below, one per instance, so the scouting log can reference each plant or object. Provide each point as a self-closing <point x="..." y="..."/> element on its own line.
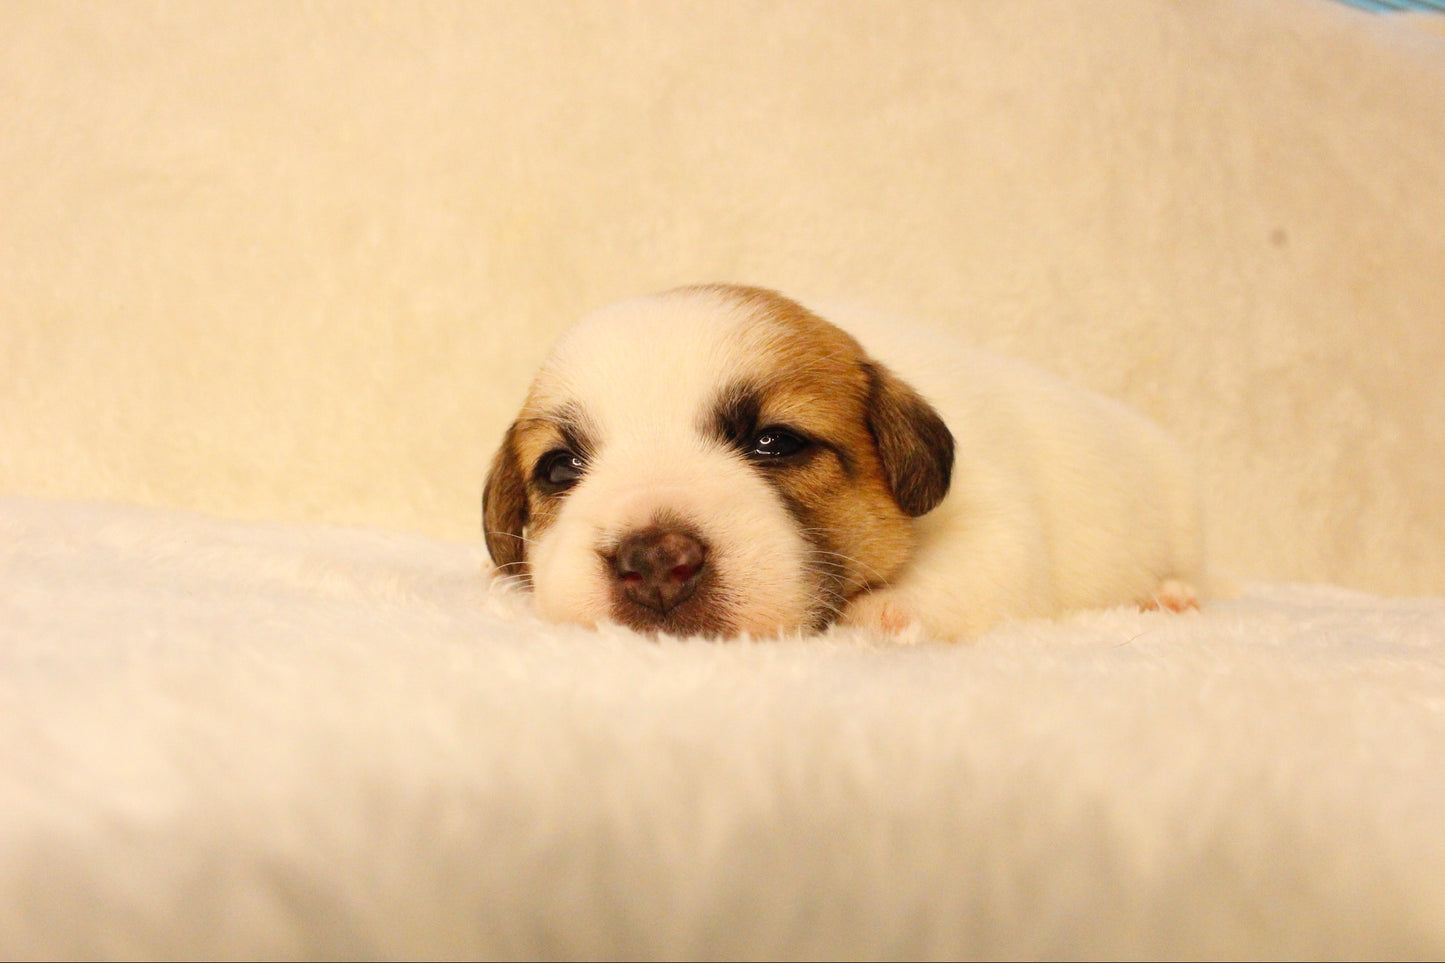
<point x="1172" y="595"/>
<point x="883" y="610"/>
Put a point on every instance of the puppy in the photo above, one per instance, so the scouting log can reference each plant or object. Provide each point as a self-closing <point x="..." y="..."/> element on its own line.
<point x="719" y="460"/>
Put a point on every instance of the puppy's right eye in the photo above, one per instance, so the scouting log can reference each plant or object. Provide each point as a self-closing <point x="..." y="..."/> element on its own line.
<point x="559" y="470"/>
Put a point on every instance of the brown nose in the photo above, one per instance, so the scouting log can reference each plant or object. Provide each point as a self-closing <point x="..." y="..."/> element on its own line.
<point x="659" y="568"/>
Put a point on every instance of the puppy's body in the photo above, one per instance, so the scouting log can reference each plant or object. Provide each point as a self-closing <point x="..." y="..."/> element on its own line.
<point x="719" y="460"/>
<point x="1061" y="500"/>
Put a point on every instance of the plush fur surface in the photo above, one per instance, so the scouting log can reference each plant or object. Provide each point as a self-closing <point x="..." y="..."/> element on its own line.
<point x="239" y="740"/>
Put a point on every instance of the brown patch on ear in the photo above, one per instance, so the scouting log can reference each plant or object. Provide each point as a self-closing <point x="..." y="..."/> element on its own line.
<point x="504" y="509"/>
<point x="915" y="447"/>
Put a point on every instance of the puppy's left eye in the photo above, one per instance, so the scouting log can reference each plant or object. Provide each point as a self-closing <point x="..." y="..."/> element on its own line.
<point x="775" y="443"/>
<point x="559" y="470"/>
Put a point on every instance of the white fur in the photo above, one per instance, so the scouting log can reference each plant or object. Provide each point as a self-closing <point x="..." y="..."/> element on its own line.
<point x="1060" y="499"/>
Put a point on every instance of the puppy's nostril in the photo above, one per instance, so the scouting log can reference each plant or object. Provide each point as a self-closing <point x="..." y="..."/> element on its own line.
<point x="659" y="567"/>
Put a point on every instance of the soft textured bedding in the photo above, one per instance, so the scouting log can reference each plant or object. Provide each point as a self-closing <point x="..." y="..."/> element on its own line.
<point x="238" y="740"/>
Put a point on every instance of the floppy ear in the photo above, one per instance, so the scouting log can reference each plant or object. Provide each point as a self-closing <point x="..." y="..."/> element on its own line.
<point x="914" y="446"/>
<point x="504" y="509"/>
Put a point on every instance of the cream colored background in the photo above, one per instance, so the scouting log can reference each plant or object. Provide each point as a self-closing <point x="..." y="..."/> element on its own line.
<point x="296" y="261"/>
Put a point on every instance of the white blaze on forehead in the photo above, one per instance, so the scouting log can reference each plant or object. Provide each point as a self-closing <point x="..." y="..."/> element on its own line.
<point x="655" y="363"/>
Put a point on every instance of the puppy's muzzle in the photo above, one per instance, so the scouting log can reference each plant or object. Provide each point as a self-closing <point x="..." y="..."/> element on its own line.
<point x="658" y="568"/>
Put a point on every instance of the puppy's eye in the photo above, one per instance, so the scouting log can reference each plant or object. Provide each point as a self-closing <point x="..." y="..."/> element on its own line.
<point x="775" y="443"/>
<point x="559" y="470"/>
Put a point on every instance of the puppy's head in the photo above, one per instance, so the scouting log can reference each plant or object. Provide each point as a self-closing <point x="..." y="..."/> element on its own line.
<point x="712" y="460"/>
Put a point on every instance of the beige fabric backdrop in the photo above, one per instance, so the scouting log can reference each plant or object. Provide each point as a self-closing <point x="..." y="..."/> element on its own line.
<point x="296" y="261"/>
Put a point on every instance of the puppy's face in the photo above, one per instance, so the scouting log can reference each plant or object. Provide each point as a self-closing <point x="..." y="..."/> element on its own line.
<point x="714" y="461"/>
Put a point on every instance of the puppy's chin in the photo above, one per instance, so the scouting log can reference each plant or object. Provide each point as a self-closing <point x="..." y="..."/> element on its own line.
<point x="709" y="612"/>
<point x="717" y="617"/>
<point x="755" y="573"/>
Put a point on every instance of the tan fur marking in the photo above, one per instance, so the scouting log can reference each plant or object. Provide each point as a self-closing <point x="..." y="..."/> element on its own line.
<point x="505" y="509"/>
<point x="822" y="383"/>
<point x="531" y="439"/>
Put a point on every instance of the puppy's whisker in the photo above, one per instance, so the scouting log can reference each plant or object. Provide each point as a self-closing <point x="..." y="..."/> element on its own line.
<point x="856" y="562"/>
<point x="521" y="538"/>
<point x="861" y="576"/>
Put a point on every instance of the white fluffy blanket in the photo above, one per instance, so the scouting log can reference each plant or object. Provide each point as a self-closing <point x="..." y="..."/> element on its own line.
<point x="221" y="739"/>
